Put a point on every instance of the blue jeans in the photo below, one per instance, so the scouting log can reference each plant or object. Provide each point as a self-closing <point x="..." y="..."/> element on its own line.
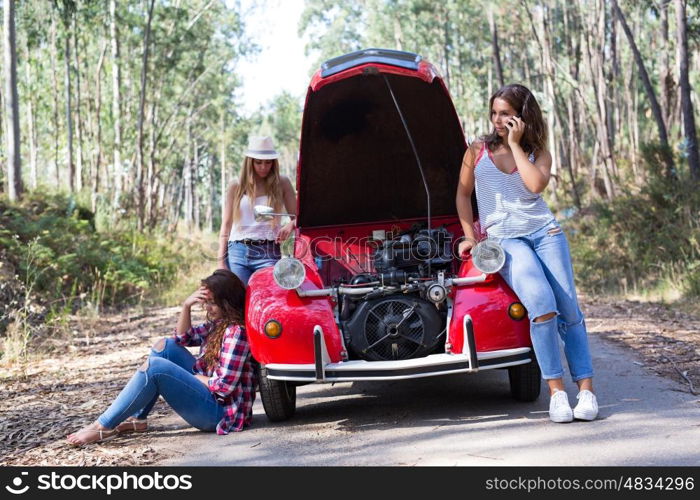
<point x="244" y="260"/>
<point x="169" y="374"/>
<point x="538" y="269"/>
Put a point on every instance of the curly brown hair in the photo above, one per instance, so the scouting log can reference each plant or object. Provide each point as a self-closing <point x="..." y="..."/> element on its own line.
<point x="520" y="98"/>
<point x="228" y="292"/>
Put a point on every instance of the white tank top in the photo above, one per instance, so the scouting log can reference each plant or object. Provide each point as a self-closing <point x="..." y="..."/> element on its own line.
<point x="507" y="209"/>
<point x="248" y="228"/>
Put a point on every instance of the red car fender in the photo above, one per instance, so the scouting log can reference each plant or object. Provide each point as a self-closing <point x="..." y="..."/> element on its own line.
<point x="265" y="300"/>
<point x="487" y="303"/>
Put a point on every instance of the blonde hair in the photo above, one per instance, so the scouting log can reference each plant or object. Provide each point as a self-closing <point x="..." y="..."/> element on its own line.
<point x="246" y="186"/>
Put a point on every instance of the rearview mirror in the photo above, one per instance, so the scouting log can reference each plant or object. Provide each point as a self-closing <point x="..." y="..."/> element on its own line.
<point x="263" y="213"/>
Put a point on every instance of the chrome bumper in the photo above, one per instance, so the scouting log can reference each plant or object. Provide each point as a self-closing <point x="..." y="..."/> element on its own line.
<point x="435" y="364"/>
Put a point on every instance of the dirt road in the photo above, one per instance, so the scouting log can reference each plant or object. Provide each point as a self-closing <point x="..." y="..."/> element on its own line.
<point x="647" y="359"/>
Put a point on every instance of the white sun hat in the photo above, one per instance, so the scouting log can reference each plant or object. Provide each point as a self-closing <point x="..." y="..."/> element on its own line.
<point x="261" y="148"/>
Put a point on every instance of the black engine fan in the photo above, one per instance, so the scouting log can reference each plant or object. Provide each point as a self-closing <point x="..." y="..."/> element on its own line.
<point x="393" y="328"/>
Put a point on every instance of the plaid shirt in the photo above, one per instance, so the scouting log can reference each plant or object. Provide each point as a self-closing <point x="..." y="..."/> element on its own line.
<point x="233" y="378"/>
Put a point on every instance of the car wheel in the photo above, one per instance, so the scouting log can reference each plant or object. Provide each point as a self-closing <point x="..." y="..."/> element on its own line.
<point x="525" y="381"/>
<point x="279" y="398"/>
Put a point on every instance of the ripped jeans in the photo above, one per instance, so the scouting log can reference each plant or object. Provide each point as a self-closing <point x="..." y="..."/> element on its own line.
<point x="538" y="269"/>
<point x="168" y="374"/>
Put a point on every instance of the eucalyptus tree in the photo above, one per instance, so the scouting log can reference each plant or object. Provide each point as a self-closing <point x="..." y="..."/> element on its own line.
<point x="686" y="102"/>
<point x="114" y="21"/>
<point x="649" y="89"/>
<point x="14" y="165"/>
<point x="66" y="9"/>
<point x="337" y="27"/>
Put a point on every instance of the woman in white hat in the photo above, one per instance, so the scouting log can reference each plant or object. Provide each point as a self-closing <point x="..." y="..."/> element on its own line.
<point x="246" y="245"/>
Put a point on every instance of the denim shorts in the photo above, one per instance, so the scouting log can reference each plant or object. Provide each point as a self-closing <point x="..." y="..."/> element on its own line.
<point x="244" y="259"/>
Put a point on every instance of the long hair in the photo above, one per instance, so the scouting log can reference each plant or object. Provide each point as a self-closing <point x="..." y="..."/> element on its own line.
<point x="524" y="103"/>
<point x="228" y="292"/>
<point x="246" y="186"/>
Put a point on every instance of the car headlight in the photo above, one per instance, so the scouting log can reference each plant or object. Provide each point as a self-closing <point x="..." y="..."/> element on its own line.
<point x="289" y="273"/>
<point x="488" y="256"/>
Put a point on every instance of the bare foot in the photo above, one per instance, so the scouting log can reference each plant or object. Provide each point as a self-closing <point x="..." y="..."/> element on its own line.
<point x="92" y="433"/>
<point x="132" y="424"/>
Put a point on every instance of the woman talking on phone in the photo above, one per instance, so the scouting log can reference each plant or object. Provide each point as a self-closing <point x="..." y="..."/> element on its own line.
<point x="510" y="168"/>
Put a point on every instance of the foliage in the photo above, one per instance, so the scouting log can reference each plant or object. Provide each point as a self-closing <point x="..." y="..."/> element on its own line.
<point x="574" y="55"/>
<point x="632" y="228"/>
<point x="645" y="240"/>
<point x="62" y="263"/>
<point x="189" y="113"/>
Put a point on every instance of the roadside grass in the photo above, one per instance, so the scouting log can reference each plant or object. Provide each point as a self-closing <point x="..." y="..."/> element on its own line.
<point x="643" y="243"/>
<point x="187" y="279"/>
<point x="62" y="266"/>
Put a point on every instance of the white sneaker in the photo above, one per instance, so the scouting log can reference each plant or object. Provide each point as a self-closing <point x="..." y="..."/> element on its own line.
<point x="559" y="409"/>
<point x="587" y="407"/>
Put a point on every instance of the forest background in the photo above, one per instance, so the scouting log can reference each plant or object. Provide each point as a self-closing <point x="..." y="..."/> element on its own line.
<point x="120" y="131"/>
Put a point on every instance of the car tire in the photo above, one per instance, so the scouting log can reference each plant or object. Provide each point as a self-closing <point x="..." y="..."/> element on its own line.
<point x="525" y="381"/>
<point x="279" y="398"/>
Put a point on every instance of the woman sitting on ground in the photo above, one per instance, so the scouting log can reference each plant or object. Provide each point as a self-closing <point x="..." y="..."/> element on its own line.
<point x="212" y="392"/>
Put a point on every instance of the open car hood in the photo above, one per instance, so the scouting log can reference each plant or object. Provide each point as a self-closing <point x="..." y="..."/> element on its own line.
<point x="356" y="164"/>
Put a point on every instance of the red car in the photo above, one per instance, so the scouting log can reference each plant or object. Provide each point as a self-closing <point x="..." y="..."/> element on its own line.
<point x="374" y="289"/>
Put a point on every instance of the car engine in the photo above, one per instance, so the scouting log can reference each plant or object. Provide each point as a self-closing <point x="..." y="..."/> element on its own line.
<point x="399" y="311"/>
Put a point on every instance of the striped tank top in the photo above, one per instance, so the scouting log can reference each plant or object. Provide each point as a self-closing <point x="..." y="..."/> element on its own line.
<point x="507" y="209"/>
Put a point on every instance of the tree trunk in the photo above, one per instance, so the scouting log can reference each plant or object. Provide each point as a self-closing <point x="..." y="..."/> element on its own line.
<point x="223" y="184"/>
<point x="633" y="123"/>
<point x="606" y="141"/>
<point x="98" y="133"/>
<point x="116" y="107"/>
<point x="54" y="81"/>
<point x="187" y="175"/>
<point x="691" y="137"/>
<point x="651" y="95"/>
<point x="614" y="125"/>
<point x="495" y="49"/>
<point x="142" y="103"/>
<point x="666" y="96"/>
<point x="446" y="46"/>
<point x="209" y="216"/>
<point x="78" y="117"/>
<point x="14" y="164"/>
<point x="193" y="187"/>
<point x="398" y="34"/>
<point x="182" y="194"/>
<point x="33" y="173"/>
<point x="152" y="176"/>
<point x="595" y="189"/>
<point x="548" y="67"/>
<point x="3" y="175"/>
<point x="69" y="119"/>
<point x="574" y="58"/>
